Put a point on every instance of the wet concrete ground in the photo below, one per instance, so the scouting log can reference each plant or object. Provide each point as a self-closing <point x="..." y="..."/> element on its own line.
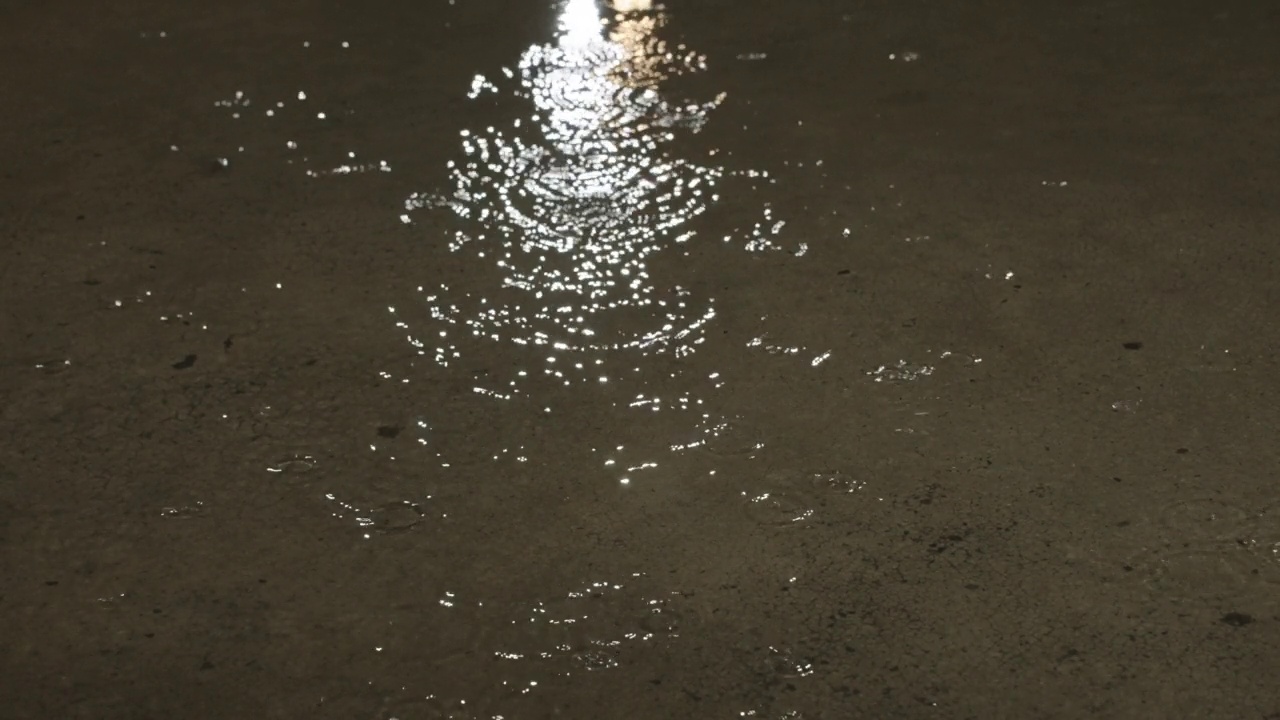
<point x="835" y="360"/>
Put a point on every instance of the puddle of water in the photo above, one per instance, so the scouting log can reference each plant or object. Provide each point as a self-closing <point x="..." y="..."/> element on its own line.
<point x="560" y="210"/>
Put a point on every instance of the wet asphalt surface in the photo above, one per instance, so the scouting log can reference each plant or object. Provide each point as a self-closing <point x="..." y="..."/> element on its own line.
<point x="487" y="359"/>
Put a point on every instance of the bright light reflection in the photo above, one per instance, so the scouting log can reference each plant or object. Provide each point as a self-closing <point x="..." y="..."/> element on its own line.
<point x="569" y="202"/>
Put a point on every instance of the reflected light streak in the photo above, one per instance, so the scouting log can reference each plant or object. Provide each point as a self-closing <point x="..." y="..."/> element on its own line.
<point x="569" y="202"/>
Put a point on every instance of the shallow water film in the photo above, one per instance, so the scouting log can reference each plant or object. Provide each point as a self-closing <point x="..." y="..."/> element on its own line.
<point x="616" y="359"/>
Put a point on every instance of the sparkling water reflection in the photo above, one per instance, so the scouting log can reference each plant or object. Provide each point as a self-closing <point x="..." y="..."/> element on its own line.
<point x="570" y="201"/>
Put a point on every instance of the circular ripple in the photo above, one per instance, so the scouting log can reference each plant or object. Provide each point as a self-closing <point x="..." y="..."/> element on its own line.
<point x="1268" y="553"/>
<point x="293" y="464"/>
<point x="779" y="509"/>
<point x="1266" y="524"/>
<point x="397" y="517"/>
<point x="775" y="714"/>
<point x="668" y="616"/>
<point x="431" y="708"/>
<point x="1264" y="543"/>
<point x="663" y="622"/>
<point x="837" y="482"/>
<point x="1204" y="519"/>
<point x="1195" y="574"/>
<point x="596" y="659"/>
<point x="193" y="510"/>
<point x="569" y="625"/>
<point x="732" y="437"/>
<point x="784" y="663"/>
<point x="465" y="433"/>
